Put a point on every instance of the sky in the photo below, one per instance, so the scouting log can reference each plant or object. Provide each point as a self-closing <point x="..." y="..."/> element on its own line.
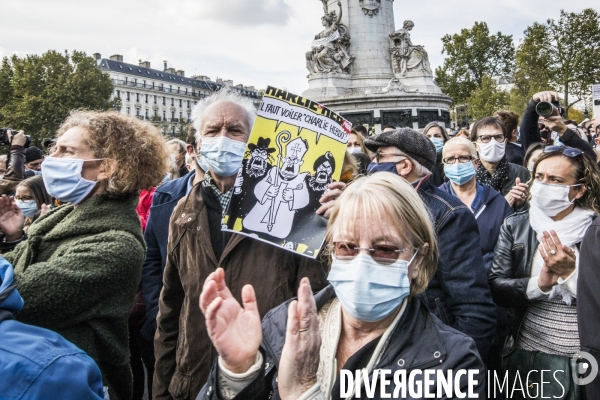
<point x="253" y="42"/>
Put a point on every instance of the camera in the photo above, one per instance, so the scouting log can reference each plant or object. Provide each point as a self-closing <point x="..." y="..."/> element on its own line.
<point x="5" y="141"/>
<point x="547" y="109"/>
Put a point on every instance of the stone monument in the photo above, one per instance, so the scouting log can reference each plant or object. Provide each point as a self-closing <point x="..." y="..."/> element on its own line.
<point x="363" y="68"/>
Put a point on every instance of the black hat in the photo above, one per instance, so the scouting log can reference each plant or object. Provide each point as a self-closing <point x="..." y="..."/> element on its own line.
<point x="327" y="157"/>
<point x="32" y="154"/>
<point x="48" y="142"/>
<point x="262" y="144"/>
<point x="412" y="143"/>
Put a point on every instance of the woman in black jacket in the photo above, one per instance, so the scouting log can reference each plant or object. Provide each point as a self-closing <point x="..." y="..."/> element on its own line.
<point x="384" y="253"/>
<point x="535" y="267"/>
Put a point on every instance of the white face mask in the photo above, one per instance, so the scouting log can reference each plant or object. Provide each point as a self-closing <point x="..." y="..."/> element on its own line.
<point x="550" y="199"/>
<point x="354" y="150"/>
<point x="491" y="152"/>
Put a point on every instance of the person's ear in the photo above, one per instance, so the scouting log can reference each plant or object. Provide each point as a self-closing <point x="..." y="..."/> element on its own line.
<point x="579" y="192"/>
<point x="597" y="141"/>
<point x="404" y="167"/>
<point x="189" y="149"/>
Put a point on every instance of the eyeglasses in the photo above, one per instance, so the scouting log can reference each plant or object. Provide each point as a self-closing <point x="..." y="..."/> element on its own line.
<point x="488" y="138"/>
<point x="459" y="159"/>
<point x="567" y="151"/>
<point x="383" y="254"/>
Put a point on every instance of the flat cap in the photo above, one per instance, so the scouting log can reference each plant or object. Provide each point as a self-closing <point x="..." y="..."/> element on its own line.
<point x="33" y="153"/>
<point x="414" y="144"/>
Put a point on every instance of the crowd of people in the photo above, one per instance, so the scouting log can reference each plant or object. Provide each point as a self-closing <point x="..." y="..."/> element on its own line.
<point x="445" y="250"/>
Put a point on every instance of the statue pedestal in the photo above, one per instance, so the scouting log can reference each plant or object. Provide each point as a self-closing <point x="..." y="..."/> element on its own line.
<point x="369" y="92"/>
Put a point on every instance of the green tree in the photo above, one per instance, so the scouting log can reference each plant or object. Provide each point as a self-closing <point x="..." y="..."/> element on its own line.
<point x="560" y="55"/>
<point x="38" y="92"/>
<point x="487" y="99"/>
<point x="471" y="55"/>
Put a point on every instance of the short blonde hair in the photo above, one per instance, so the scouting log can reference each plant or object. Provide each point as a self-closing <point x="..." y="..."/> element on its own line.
<point x="461" y="141"/>
<point x="135" y="152"/>
<point x="388" y="195"/>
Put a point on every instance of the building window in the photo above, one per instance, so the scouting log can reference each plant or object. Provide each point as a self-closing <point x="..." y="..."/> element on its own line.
<point x="188" y="104"/>
<point x="155" y="113"/>
<point x="186" y="91"/>
<point x="146" y="100"/>
<point x="118" y="94"/>
<point x="144" y="83"/>
<point x="137" y="112"/>
<point x="194" y="92"/>
<point x="126" y="80"/>
<point x="135" y="82"/>
<point x="164" y="101"/>
<point x="162" y="88"/>
<point x="152" y="85"/>
<point x="170" y="88"/>
<point x="164" y="115"/>
<point x="179" y="102"/>
<point x="180" y="115"/>
<point x="128" y="110"/>
<point x="154" y="99"/>
<point x="189" y="117"/>
<point x="147" y="114"/>
<point x="173" y="116"/>
<point x="137" y="97"/>
<point x="172" y="101"/>
<point x="178" y="89"/>
<point x="128" y="96"/>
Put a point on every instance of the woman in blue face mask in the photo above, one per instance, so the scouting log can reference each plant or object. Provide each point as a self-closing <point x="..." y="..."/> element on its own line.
<point x="30" y="197"/>
<point x="383" y="253"/>
<point x="79" y="265"/>
<point x="490" y="209"/>
<point x="438" y="136"/>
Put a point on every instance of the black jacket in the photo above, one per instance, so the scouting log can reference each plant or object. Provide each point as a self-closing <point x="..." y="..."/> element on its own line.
<point x="511" y="269"/>
<point x="515" y="153"/>
<point x="588" y="298"/>
<point x="420" y="341"/>
<point x="530" y="133"/>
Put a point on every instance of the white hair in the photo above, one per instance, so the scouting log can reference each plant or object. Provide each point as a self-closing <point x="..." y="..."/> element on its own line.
<point x="181" y="146"/>
<point x="221" y="95"/>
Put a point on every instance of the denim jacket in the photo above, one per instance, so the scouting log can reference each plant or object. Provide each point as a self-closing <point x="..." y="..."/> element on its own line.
<point x="459" y="293"/>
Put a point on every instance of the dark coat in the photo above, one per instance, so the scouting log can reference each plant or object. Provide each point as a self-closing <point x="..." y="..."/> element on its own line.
<point x="78" y="272"/>
<point x="183" y="351"/>
<point x="15" y="170"/>
<point x="156" y="235"/>
<point x="514" y="171"/>
<point x="515" y="153"/>
<point x="588" y="298"/>
<point x="489" y="220"/>
<point x="530" y="133"/>
<point x="459" y="293"/>
<point x="420" y="341"/>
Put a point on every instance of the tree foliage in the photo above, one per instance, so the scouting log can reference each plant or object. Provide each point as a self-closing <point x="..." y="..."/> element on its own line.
<point x="473" y="54"/>
<point x="560" y="55"/>
<point x="38" y="92"/>
<point x="487" y="99"/>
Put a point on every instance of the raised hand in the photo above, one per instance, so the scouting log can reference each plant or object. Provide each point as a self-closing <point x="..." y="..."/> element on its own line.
<point x="328" y="199"/>
<point x="548" y="96"/>
<point x="560" y="259"/>
<point x="11" y="219"/>
<point x="235" y="332"/>
<point x="300" y="355"/>
<point x="517" y="195"/>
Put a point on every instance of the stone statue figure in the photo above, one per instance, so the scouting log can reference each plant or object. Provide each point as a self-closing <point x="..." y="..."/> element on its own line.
<point x="370" y="7"/>
<point x="405" y="56"/>
<point x="330" y="49"/>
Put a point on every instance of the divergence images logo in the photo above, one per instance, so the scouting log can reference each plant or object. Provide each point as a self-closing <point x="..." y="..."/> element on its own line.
<point x="581" y="364"/>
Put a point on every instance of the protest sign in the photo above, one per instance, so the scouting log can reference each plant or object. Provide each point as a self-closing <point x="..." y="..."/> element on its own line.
<point x="296" y="149"/>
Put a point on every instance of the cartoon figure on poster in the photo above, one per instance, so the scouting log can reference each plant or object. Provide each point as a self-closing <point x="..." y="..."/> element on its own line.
<point x="253" y="170"/>
<point x="282" y="192"/>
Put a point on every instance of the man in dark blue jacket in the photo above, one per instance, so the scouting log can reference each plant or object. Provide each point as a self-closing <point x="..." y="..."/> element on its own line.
<point x="37" y="363"/>
<point x="459" y="293"/>
<point x="156" y="235"/>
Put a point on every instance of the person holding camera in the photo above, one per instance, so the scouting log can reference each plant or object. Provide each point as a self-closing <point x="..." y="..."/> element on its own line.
<point x="15" y="162"/>
<point x="530" y="132"/>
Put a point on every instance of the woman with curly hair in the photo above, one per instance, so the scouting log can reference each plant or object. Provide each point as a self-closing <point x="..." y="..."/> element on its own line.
<point x="536" y="267"/>
<point x="79" y="266"/>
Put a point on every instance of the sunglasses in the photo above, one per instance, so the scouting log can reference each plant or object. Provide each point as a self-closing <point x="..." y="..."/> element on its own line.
<point x="567" y="151"/>
<point x="383" y="254"/>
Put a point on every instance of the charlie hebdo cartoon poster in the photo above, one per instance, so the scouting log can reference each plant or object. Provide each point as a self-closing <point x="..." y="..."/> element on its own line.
<point x="296" y="149"/>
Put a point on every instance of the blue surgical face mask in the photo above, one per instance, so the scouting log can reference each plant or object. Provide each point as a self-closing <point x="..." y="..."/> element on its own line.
<point x="382" y="167"/>
<point x="367" y="290"/>
<point x="36" y="172"/>
<point x="28" y="207"/>
<point x="202" y="162"/>
<point x="438" y="143"/>
<point x="223" y="155"/>
<point x="62" y="178"/>
<point x="460" y="173"/>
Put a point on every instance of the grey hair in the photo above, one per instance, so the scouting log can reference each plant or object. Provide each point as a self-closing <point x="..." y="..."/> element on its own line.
<point x="181" y="146"/>
<point x="221" y="95"/>
<point x="418" y="168"/>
